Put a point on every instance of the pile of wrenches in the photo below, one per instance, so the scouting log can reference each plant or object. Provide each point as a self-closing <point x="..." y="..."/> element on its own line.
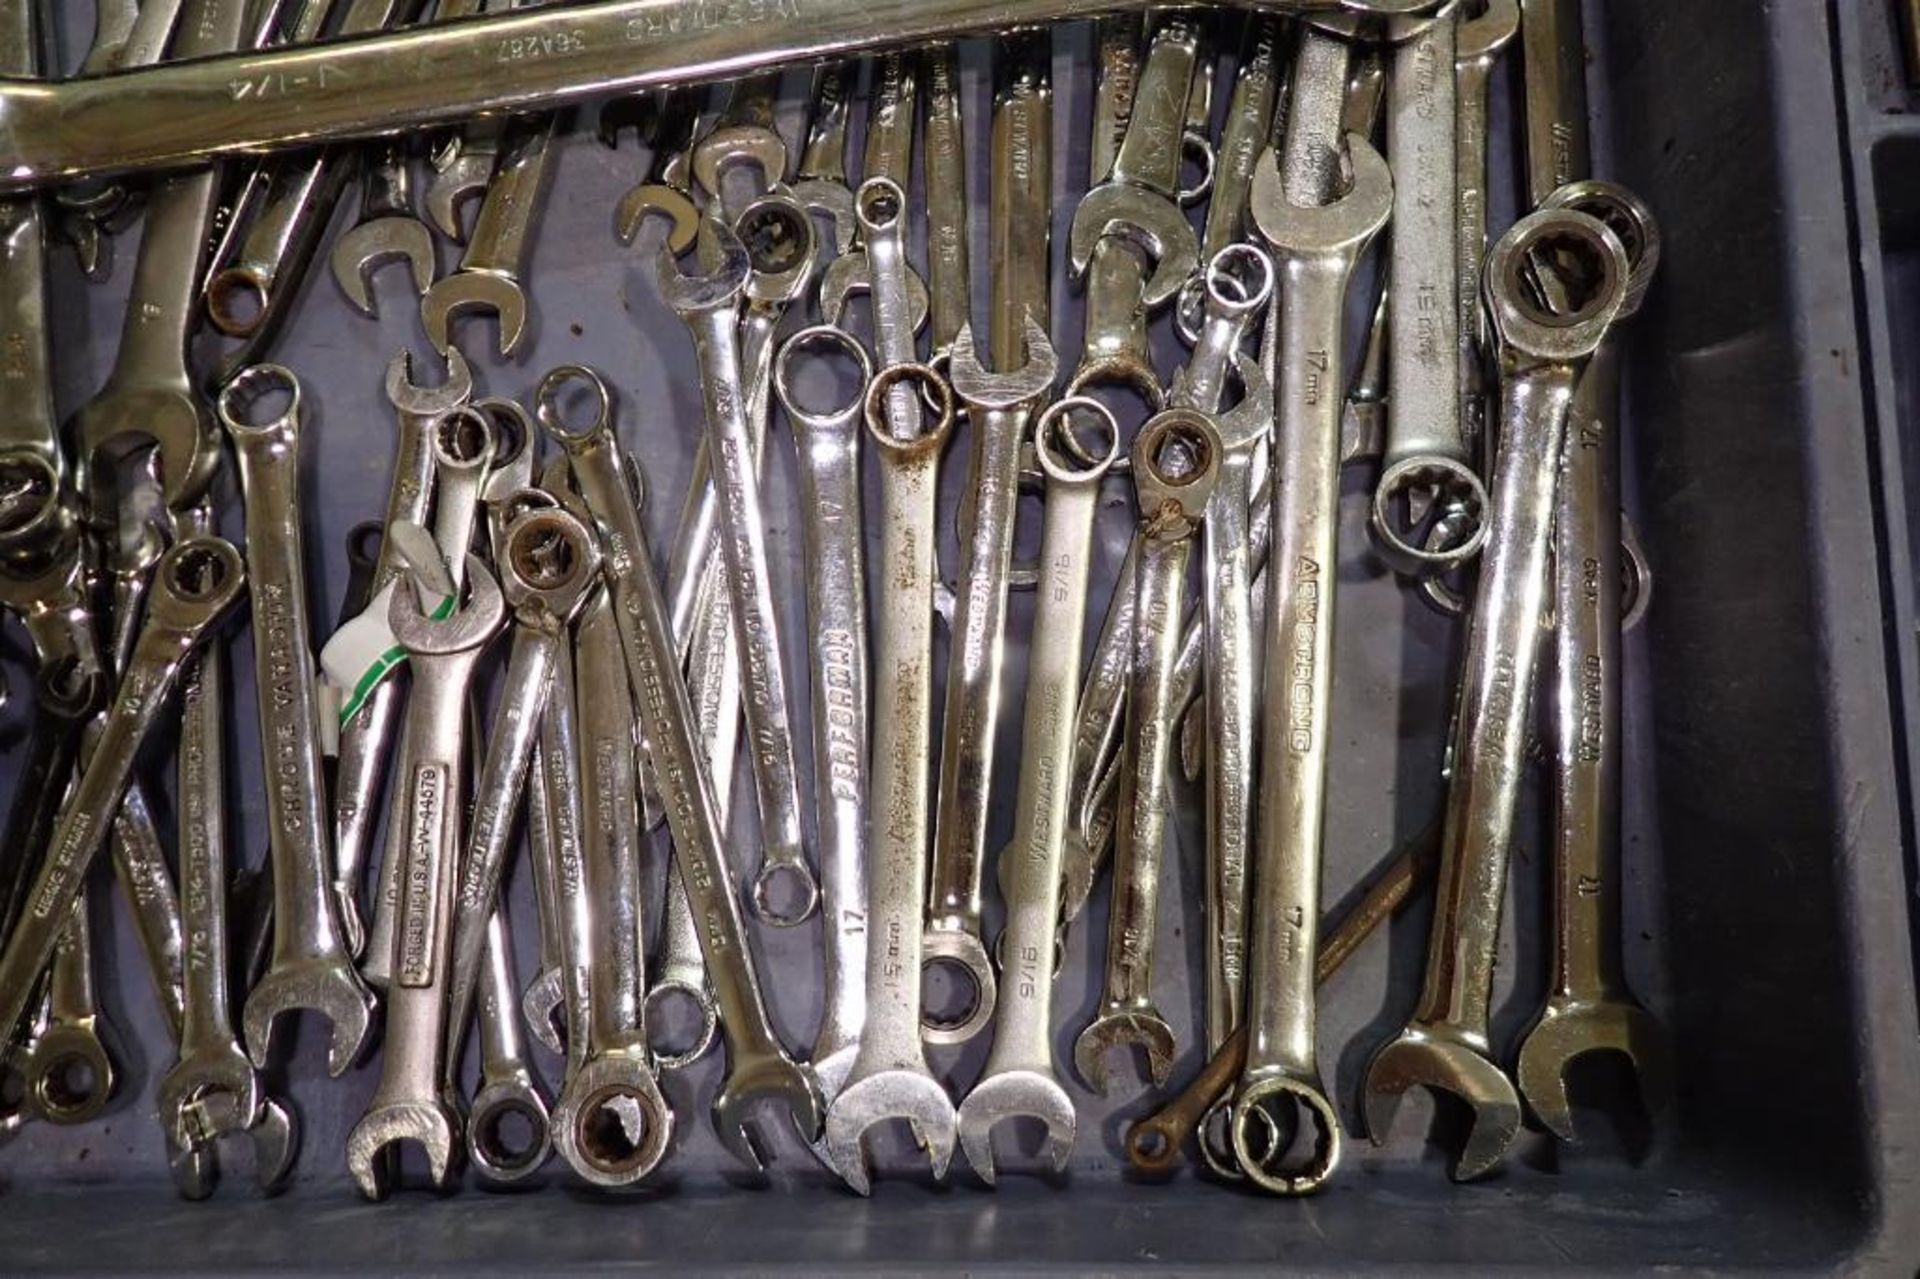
<point x="512" y="659"/>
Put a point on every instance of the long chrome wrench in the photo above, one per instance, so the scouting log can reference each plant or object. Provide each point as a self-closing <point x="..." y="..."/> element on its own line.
<point x="759" y="1069"/>
<point x="833" y="550"/>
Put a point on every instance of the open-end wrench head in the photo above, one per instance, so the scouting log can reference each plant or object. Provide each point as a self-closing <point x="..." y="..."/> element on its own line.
<point x="465" y="177"/>
<point x="496" y="1109"/>
<point x="417" y="400"/>
<point x="1016" y="1094"/>
<point x="1251" y="419"/>
<point x="1484" y="36"/>
<point x="1585" y="259"/>
<point x="611" y="1123"/>
<point x="833" y="200"/>
<point x="120" y="422"/>
<point x="1158" y="225"/>
<point x="850" y="275"/>
<point x="731" y="146"/>
<point x="714" y="286"/>
<point x="467" y="291"/>
<point x="540" y="1006"/>
<point x="1143" y="1028"/>
<point x="195" y="1171"/>
<point x="327" y="985"/>
<point x="1629" y="218"/>
<point x="770" y="1079"/>
<point x="208" y="1095"/>
<point x="275" y="1137"/>
<point x="1384" y="21"/>
<point x="980" y="388"/>
<point x="1257" y="1150"/>
<point x="431" y="1125"/>
<point x="782" y="246"/>
<point x="889" y="1094"/>
<point x="653" y="198"/>
<point x="363" y="249"/>
<point x="470" y="626"/>
<point x="1573" y="1029"/>
<point x="1418" y="1058"/>
<point x="1344" y="225"/>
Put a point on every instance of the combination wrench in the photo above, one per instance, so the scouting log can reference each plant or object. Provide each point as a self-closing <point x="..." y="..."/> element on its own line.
<point x="709" y="303"/>
<point x="411" y="1101"/>
<point x="1315" y="248"/>
<point x="759" y="1069"/>
<point x="546" y="560"/>
<point x="1590" y="1007"/>
<point x="388" y="229"/>
<point x="999" y="407"/>
<point x="196" y="584"/>
<point x="1176" y="462"/>
<point x="892" y="100"/>
<point x="890" y="1078"/>
<point x="1019" y="1079"/>
<point x="492" y="271"/>
<point x="1130" y="241"/>
<point x="1445" y="1046"/>
<point x="310" y="968"/>
<point x="371" y="713"/>
<point x="1427" y="482"/>
<point x="833" y="550"/>
<point x="611" y="1123"/>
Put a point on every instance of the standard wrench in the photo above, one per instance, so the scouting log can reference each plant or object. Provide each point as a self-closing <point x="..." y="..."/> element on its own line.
<point x="820" y="180"/>
<point x="949" y="274"/>
<point x="758" y="1066"/>
<point x="150" y="395"/>
<point x="195" y="585"/>
<point x="833" y="551"/>
<point x="311" y="967"/>
<point x="1176" y="461"/>
<point x="892" y="98"/>
<point x="1239" y="283"/>
<point x="372" y="711"/>
<point x="1315" y="248"/>
<point x="1480" y="43"/>
<point x="491" y="272"/>
<point x="744" y="135"/>
<point x="1590" y="1007"/>
<point x="1542" y="352"/>
<point x="464" y="164"/>
<point x="890" y="1078"/>
<point x="462" y="455"/>
<point x="546" y="560"/>
<point x="1130" y="242"/>
<point x="388" y="229"/>
<point x="411" y="1102"/>
<point x="1019" y="1079"/>
<point x="1425" y="472"/>
<point x="667" y="188"/>
<point x="999" y="406"/>
<point x="610" y="1123"/>
<point x="709" y="303"/>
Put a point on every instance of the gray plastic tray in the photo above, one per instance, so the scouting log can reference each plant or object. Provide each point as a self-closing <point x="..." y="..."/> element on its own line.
<point x="1767" y="812"/>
